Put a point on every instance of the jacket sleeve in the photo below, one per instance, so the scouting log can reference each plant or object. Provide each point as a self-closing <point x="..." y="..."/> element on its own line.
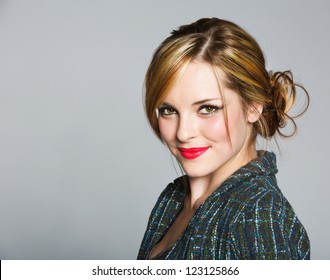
<point x="268" y="229"/>
<point x="159" y="218"/>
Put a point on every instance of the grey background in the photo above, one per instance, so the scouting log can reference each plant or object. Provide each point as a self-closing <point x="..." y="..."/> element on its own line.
<point x="80" y="169"/>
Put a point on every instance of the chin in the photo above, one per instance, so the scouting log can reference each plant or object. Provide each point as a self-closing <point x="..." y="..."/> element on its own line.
<point x="196" y="172"/>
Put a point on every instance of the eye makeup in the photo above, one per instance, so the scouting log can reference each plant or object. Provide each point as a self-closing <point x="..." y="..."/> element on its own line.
<point x="209" y="109"/>
<point x="166" y="110"/>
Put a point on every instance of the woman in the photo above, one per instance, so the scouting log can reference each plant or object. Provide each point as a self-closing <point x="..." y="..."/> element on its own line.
<point x="208" y="97"/>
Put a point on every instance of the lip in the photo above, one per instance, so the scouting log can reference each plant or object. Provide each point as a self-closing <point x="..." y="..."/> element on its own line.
<point x="192" y="153"/>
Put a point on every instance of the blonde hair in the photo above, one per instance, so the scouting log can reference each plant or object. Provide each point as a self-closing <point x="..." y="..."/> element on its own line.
<point x="224" y="45"/>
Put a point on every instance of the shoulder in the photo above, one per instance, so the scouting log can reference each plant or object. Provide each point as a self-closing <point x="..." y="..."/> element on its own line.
<point x="174" y="189"/>
<point x="173" y="193"/>
<point x="168" y="204"/>
<point x="263" y="205"/>
<point x="266" y="225"/>
<point x="259" y="198"/>
<point x="257" y="189"/>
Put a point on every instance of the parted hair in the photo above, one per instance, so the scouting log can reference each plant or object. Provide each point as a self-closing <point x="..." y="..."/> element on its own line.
<point x="225" y="45"/>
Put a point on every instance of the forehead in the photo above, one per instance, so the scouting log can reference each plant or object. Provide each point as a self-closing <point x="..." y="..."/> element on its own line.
<point x="198" y="81"/>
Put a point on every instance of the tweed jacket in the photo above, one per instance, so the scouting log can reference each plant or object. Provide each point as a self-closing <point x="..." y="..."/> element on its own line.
<point x="246" y="217"/>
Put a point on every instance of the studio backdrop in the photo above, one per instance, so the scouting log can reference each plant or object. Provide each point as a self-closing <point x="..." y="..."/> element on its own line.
<point x="80" y="169"/>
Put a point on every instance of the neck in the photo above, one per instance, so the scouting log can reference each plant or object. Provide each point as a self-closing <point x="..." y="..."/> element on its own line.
<point x="202" y="187"/>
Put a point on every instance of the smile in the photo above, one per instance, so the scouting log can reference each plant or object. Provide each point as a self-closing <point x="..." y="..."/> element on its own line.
<point x="192" y="153"/>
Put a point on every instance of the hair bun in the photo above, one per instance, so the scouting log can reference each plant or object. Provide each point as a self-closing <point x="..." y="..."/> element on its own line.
<point x="283" y="91"/>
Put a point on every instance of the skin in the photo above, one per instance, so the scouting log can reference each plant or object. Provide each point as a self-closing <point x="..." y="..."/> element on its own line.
<point x="192" y="115"/>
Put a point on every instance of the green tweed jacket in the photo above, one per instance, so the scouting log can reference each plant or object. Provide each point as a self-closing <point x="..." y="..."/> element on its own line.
<point x="246" y="217"/>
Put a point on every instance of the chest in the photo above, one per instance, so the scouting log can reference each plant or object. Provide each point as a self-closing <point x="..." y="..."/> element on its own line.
<point x="202" y="236"/>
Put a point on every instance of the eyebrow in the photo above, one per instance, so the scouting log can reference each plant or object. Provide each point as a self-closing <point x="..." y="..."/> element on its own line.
<point x="205" y="100"/>
<point x="195" y="103"/>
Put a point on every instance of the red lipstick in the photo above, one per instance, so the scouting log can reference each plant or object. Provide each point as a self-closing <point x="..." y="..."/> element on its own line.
<point x="192" y="153"/>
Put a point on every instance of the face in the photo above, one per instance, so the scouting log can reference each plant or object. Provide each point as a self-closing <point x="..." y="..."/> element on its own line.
<point x="192" y="123"/>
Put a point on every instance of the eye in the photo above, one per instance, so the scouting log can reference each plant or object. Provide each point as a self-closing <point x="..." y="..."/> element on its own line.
<point x="166" y="111"/>
<point x="209" y="109"/>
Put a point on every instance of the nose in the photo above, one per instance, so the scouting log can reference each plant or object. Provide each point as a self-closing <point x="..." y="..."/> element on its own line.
<point x="187" y="129"/>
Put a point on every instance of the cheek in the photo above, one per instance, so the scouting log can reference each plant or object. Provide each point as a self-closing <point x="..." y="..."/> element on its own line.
<point x="238" y="127"/>
<point x="167" y="129"/>
<point x="214" y="129"/>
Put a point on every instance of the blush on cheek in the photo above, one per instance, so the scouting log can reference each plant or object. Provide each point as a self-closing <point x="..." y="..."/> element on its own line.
<point x="167" y="130"/>
<point x="237" y="125"/>
<point x="215" y="130"/>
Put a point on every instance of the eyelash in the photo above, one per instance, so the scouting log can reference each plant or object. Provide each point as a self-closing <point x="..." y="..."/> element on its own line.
<point x="168" y="111"/>
<point x="214" y="109"/>
<point x="162" y="111"/>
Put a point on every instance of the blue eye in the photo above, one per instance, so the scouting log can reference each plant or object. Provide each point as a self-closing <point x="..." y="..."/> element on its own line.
<point x="166" y="111"/>
<point x="209" y="109"/>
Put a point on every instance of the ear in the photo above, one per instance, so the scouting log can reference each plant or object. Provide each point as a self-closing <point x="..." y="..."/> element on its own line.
<point x="254" y="112"/>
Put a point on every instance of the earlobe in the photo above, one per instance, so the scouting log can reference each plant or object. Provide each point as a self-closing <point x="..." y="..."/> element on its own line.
<point x="254" y="112"/>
